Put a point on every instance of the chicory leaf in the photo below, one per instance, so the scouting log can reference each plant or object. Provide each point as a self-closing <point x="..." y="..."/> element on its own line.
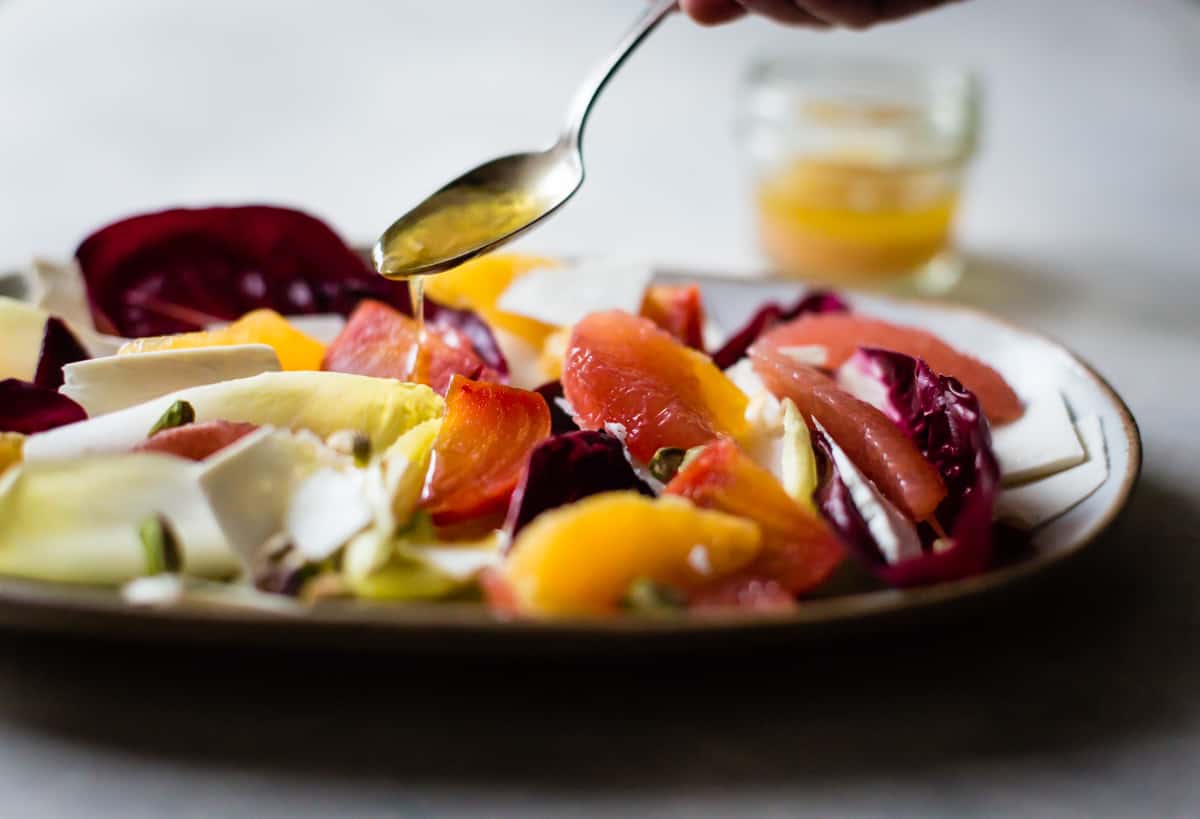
<point x="768" y="316"/>
<point x="181" y="270"/>
<point x="946" y="423"/>
<point x="29" y="408"/>
<point x="567" y="468"/>
<point x="59" y="348"/>
<point x="561" y="421"/>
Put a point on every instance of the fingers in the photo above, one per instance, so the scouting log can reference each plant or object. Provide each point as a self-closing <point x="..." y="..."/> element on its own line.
<point x="712" y="12"/>
<point x="814" y="13"/>
<point x="864" y="13"/>
<point x="785" y="11"/>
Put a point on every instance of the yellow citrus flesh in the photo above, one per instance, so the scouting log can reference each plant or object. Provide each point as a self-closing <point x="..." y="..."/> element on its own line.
<point x="296" y="350"/>
<point x="580" y="559"/>
<point x="479" y="284"/>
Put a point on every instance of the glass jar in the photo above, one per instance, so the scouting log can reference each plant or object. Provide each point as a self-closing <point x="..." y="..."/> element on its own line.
<point x="857" y="168"/>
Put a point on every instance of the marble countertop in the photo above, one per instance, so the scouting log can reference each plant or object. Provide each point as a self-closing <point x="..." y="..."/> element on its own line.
<point x="1077" y="694"/>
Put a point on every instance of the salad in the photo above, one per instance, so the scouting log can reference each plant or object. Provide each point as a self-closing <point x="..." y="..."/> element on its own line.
<point x="228" y="404"/>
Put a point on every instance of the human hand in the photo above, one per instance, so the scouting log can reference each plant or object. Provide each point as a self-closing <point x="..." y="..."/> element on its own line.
<point x="816" y="13"/>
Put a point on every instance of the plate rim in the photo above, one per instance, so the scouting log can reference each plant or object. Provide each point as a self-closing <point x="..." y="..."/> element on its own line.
<point x="29" y="604"/>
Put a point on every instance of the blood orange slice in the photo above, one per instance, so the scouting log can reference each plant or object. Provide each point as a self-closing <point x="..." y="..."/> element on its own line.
<point x="877" y="446"/>
<point x="382" y="342"/>
<point x="799" y="550"/>
<point x="841" y="334"/>
<point x="623" y="369"/>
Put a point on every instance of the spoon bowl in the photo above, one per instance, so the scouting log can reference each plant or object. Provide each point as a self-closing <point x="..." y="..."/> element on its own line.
<point x="498" y="201"/>
<point x="540" y="182"/>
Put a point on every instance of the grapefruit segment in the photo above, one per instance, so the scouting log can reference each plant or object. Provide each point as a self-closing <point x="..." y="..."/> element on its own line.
<point x="799" y="551"/>
<point x="481" y="449"/>
<point x="380" y="341"/>
<point x="841" y="334"/>
<point x="879" y="448"/>
<point x="623" y="369"/>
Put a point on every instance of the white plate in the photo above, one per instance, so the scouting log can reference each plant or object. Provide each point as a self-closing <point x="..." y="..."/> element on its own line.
<point x="1031" y="362"/>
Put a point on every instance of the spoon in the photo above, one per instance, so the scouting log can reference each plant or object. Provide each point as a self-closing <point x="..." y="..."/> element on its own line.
<point x="498" y="201"/>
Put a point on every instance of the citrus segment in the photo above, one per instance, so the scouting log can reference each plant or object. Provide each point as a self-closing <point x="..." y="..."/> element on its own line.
<point x="883" y="452"/>
<point x="382" y="342"/>
<point x="799" y="551"/>
<point x="581" y="559"/>
<point x="679" y="310"/>
<point x="479" y="284"/>
<point x="296" y="350"/>
<point x="623" y="369"/>
<point x="841" y="334"/>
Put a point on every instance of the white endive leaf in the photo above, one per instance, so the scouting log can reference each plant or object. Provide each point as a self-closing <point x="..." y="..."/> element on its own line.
<point x="21" y="329"/>
<point x="77" y="521"/>
<point x="323" y="402"/>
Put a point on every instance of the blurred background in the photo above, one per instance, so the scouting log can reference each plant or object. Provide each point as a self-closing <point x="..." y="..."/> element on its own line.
<point x="357" y="108"/>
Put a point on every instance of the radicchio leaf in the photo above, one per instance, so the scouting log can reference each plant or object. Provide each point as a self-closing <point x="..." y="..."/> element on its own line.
<point x="181" y="270"/>
<point x="567" y="468"/>
<point x="947" y="424"/>
<point x="29" y="408"/>
<point x="561" y="421"/>
<point x="59" y="348"/>
<point x="768" y="316"/>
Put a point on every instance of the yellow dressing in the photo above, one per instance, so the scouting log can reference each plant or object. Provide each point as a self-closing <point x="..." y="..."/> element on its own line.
<point x="452" y="223"/>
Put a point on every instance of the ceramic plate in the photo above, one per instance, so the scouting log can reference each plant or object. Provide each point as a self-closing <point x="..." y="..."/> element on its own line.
<point x="1032" y="363"/>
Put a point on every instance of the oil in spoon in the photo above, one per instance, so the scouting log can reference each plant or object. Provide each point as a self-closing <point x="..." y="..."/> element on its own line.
<point x="451" y="223"/>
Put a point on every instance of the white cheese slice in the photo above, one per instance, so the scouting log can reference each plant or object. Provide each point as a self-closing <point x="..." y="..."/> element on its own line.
<point x="461" y="563"/>
<point x="104" y="385"/>
<point x="1039" y="502"/>
<point x="325" y="511"/>
<point x="323" y="402"/>
<point x="1041" y="442"/>
<point x="565" y="295"/>
<point x="77" y="521"/>
<point x="524" y="365"/>
<point x="895" y="535"/>
<point x="814" y="355"/>
<point x="250" y="485"/>
<point x="21" y="329"/>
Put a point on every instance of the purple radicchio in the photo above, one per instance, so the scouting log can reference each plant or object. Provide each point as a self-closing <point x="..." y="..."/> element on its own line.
<point x="60" y="347"/>
<point x="561" y="421"/>
<point x="181" y="270"/>
<point x="567" y="468"/>
<point x="771" y="314"/>
<point x="946" y="423"/>
<point x="29" y="408"/>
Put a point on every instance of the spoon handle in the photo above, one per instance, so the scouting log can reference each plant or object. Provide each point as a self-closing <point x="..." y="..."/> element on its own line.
<point x="585" y="97"/>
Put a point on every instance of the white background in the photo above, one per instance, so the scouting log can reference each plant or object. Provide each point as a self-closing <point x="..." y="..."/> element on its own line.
<point x="1082" y="218"/>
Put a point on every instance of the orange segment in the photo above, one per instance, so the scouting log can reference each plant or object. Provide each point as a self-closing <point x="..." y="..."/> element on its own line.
<point x="877" y="446"/>
<point x="843" y="333"/>
<point x="623" y="369"/>
<point x="479" y="284"/>
<point x="296" y="350"/>
<point x="580" y="559"/>
<point x="799" y="551"/>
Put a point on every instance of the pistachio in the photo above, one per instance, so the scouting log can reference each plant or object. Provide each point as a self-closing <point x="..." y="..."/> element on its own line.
<point x="666" y="462"/>
<point x="179" y="414"/>
<point x="161" y="546"/>
<point x="649" y="597"/>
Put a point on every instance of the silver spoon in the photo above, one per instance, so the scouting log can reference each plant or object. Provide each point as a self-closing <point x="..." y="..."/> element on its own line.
<point x="541" y="181"/>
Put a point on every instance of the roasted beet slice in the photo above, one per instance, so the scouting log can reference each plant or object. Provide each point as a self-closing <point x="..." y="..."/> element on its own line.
<point x="29" y="408"/>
